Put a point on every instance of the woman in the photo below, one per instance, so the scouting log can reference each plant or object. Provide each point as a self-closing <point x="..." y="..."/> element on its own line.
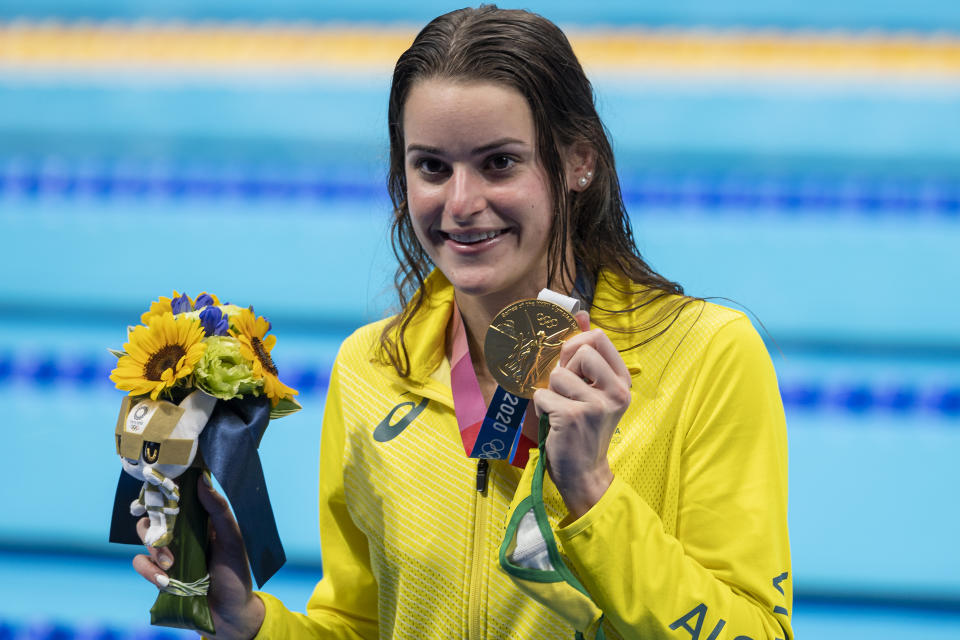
<point x="666" y="453"/>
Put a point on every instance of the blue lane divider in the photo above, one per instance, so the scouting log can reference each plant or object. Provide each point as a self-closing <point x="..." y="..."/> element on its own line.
<point x="860" y="398"/>
<point x="792" y="194"/>
<point x="60" y="630"/>
<point x="45" y="370"/>
<point x="34" y="184"/>
<point x="710" y="192"/>
<point x="855" y="397"/>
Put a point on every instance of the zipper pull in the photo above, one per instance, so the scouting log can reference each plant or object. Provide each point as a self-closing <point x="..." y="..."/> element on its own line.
<point x="482" y="467"/>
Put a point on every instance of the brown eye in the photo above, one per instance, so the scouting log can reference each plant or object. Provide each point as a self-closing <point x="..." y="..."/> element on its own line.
<point x="501" y="162"/>
<point x="431" y="166"/>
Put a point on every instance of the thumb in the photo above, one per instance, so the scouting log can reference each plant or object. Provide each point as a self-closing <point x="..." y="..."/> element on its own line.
<point x="226" y="531"/>
<point x="583" y="320"/>
<point x="230" y="597"/>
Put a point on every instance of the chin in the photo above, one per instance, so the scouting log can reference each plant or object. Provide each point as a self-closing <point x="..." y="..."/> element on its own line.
<point x="481" y="288"/>
<point x="472" y="288"/>
<point x="496" y="280"/>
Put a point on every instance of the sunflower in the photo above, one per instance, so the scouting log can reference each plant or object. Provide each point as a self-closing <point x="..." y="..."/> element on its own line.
<point x="159" y="354"/>
<point x="161" y="306"/>
<point x="250" y="331"/>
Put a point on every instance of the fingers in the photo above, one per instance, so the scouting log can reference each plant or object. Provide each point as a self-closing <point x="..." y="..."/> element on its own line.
<point x="583" y="320"/>
<point x="582" y="380"/>
<point x="227" y="541"/>
<point x="597" y="340"/>
<point x="216" y="505"/>
<point x="161" y="556"/>
<point x="152" y="567"/>
<point x="570" y="393"/>
<point x="148" y="568"/>
<point x="591" y="369"/>
<point x="548" y="401"/>
<point x="595" y="362"/>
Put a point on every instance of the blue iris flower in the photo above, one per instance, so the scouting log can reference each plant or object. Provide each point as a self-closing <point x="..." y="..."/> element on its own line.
<point x="181" y="304"/>
<point x="203" y="300"/>
<point x="214" y="321"/>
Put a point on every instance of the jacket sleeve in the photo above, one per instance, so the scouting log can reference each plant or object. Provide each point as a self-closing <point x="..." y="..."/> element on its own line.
<point x="726" y="574"/>
<point x="344" y="602"/>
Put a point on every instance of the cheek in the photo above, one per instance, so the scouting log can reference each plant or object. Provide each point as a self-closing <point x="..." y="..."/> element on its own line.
<point x="420" y="219"/>
<point x="539" y="210"/>
<point x="415" y="209"/>
<point x="420" y="230"/>
<point x="424" y="206"/>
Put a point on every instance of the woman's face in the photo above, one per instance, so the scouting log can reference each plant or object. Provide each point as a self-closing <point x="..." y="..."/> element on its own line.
<point x="478" y="197"/>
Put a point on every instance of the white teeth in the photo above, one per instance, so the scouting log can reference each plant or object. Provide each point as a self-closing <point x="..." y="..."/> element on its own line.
<point x="469" y="238"/>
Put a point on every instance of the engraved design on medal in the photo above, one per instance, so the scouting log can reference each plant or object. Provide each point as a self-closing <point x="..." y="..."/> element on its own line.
<point x="523" y="343"/>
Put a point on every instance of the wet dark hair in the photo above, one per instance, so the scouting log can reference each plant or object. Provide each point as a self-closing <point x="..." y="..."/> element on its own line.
<point x="530" y="54"/>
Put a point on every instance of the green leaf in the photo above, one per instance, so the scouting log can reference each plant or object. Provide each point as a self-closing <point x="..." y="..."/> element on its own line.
<point x="119" y="354"/>
<point x="285" y="407"/>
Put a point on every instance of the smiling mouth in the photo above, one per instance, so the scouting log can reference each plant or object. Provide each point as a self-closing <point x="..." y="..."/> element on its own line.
<point x="472" y="237"/>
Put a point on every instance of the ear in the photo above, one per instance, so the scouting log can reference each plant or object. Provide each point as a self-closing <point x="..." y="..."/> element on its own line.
<point x="580" y="159"/>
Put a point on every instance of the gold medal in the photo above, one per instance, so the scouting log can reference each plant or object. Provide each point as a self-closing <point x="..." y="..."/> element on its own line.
<point x="523" y="344"/>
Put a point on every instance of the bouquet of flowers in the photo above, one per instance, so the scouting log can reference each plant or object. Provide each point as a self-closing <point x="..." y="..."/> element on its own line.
<point x="202" y="388"/>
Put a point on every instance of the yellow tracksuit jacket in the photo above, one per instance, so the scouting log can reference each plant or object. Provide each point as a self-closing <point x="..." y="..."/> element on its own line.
<point x="689" y="542"/>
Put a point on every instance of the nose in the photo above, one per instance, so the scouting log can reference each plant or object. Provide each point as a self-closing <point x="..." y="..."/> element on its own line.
<point x="465" y="194"/>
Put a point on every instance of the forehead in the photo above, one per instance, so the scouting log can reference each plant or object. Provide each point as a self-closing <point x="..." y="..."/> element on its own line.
<point x="451" y="111"/>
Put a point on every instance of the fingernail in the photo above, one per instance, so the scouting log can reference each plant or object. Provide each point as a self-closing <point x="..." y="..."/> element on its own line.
<point x="165" y="560"/>
<point x="162" y="580"/>
<point x="206" y="478"/>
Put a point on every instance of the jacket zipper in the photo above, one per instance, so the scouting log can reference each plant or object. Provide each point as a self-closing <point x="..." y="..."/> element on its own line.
<point x="482" y="469"/>
<point x="474" y="606"/>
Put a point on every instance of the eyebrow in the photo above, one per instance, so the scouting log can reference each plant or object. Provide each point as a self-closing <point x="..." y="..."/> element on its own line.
<point x="496" y="144"/>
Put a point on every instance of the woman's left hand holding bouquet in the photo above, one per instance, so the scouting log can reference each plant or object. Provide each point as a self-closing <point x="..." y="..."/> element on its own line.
<point x="237" y="612"/>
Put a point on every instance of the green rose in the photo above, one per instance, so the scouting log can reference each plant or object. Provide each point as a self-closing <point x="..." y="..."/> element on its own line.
<point x="223" y="372"/>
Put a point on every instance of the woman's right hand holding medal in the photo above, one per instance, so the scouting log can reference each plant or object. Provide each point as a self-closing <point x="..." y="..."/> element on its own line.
<point x="588" y="393"/>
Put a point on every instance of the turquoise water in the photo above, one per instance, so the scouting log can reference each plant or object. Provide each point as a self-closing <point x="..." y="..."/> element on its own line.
<point x="830" y="211"/>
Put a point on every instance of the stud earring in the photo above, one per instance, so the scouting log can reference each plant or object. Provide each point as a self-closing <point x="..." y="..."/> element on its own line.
<point x="585" y="179"/>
